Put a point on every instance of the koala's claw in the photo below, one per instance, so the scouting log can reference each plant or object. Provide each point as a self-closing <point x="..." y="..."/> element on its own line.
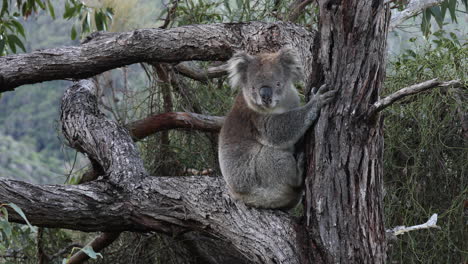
<point x="324" y="96"/>
<point x="322" y="89"/>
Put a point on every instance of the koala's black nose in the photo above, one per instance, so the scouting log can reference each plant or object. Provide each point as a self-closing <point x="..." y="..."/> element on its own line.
<point x="266" y="93"/>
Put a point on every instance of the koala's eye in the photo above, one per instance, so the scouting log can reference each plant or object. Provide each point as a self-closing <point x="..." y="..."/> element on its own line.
<point x="278" y="84"/>
<point x="253" y="88"/>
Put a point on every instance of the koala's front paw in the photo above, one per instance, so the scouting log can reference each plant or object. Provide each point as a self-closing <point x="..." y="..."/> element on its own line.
<point x="324" y="96"/>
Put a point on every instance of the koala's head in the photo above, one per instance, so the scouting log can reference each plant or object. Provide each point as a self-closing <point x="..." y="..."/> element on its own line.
<point x="265" y="78"/>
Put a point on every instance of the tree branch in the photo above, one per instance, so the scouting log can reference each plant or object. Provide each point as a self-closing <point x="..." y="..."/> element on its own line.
<point x="297" y="8"/>
<point x="109" y="51"/>
<point x="128" y="199"/>
<point x="160" y="122"/>
<point x="412" y="9"/>
<point x="201" y="75"/>
<point x="98" y="244"/>
<point x="410" y="90"/>
<point x="399" y="230"/>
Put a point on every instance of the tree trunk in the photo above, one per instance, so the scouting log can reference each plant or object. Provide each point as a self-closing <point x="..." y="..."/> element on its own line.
<point x="344" y="185"/>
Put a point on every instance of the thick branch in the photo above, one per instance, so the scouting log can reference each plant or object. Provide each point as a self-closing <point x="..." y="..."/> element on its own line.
<point x="410" y="90"/>
<point x="109" y="51"/>
<point x="130" y="200"/>
<point x="160" y="122"/>
<point x="87" y="207"/>
<point x="412" y="9"/>
<point x="201" y="75"/>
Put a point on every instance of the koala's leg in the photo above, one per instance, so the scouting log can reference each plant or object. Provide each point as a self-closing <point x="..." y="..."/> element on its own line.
<point x="280" y="183"/>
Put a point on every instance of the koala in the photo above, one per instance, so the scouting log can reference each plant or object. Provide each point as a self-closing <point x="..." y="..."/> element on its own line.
<point x="257" y="141"/>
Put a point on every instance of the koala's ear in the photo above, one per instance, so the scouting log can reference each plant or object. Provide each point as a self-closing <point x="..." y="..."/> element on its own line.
<point x="237" y="68"/>
<point x="290" y="61"/>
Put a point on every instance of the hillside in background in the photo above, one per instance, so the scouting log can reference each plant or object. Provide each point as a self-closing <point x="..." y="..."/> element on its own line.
<point x="30" y="148"/>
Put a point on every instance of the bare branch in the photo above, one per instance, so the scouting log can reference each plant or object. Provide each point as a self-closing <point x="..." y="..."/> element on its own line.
<point x="297" y="8"/>
<point x="399" y="230"/>
<point x="413" y="89"/>
<point x="412" y="9"/>
<point x="98" y="244"/>
<point x="170" y="14"/>
<point x="201" y="75"/>
<point x="109" y="51"/>
<point x="160" y="122"/>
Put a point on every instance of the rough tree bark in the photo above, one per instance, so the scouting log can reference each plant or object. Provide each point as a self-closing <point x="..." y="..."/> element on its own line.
<point x="107" y="51"/>
<point x="344" y="210"/>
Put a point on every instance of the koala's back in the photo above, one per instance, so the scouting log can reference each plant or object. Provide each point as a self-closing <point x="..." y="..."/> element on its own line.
<point x="258" y="175"/>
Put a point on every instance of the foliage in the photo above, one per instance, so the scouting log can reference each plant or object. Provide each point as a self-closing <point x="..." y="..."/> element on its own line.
<point x="439" y="14"/>
<point x="425" y="153"/>
<point x="91" y="18"/>
<point x="15" y="240"/>
<point x="11" y="28"/>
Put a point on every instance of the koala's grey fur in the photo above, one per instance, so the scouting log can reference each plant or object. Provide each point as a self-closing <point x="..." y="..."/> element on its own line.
<point x="256" y="143"/>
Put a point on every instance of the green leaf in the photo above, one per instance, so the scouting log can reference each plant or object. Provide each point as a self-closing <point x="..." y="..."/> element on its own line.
<point x="228" y="7"/>
<point x="2" y="46"/>
<point x="465" y="2"/>
<point x="437" y="14"/>
<point x="11" y="44"/>
<point x="85" y="26"/>
<point x="6" y="228"/>
<point x="16" y="41"/>
<point x="39" y="3"/>
<point x="69" y="11"/>
<point x="426" y="22"/>
<point x="73" y="33"/>
<point x="4" y="8"/>
<point x="18" y="27"/>
<point x="51" y="9"/>
<point x="4" y="213"/>
<point x="20" y="212"/>
<point x="98" y="18"/>
<point x="88" y="250"/>
<point x="452" y="7"/>
<point x="454" y="38"/>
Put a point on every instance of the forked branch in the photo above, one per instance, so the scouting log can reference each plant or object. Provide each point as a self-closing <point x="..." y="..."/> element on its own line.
<point x="410" y="90"/>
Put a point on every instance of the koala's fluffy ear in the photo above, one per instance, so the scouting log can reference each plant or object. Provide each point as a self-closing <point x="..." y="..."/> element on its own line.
<point x="237" y="67"/>
<point x="290" y="61"/>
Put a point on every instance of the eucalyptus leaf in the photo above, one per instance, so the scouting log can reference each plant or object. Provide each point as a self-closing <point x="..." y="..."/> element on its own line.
<point x="88" y="250"/>
<point x="20" y="212"/>
<point x="16" y="41"/>
<point x="51" y="9"/>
